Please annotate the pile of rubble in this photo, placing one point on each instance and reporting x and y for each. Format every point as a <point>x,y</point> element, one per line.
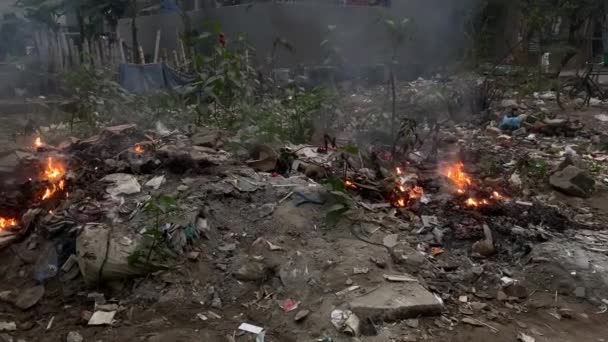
<point>165,236</point>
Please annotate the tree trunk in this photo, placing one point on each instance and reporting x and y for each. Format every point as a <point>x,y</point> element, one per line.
<point>82,38</point>
<point>135,50</point>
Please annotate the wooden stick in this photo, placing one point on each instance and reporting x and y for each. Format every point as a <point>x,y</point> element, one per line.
<point>175,59</point>
<point>157,46</point>
<point>165,56</point>
<point>142,57</point>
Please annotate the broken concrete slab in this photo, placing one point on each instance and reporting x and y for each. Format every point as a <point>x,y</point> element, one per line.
<point>573,181</point>
<point>394,302</point>
<point>29,297</point>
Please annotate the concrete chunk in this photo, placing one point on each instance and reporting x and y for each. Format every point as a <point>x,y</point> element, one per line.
<point>396,302</point>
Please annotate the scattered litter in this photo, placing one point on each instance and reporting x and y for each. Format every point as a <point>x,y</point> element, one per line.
<point>289,305</point>
<point>202,317</point>
<point>155,182</point>
<point>360,270</point>
<point>507,281</point>
<point>250,328</point>
<point>477,323</point>
<point>50,324</point>
<point>123,184</point>
<point>463,299</point>
<point>346,321</point>
<point>602,117</point>
<point>102,318</point>
<point>525,204</point>
<point>347,290</point>
<point>8,326</point>
<point>525,338</point>
<point>400,278</point>
<point>301,315</point>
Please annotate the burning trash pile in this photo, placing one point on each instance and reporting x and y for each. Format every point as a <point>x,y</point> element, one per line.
<point>472,193</point>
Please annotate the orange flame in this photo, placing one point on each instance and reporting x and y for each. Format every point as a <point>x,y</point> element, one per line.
<point>401,202</point>
<point>350,184</point>
<point>53,171</point>
<point>398,170</point>
<point>7,222</point>
<point>471,202</point>
<point>460,179</point>
<point>38,142</point>
<point>139,149</point>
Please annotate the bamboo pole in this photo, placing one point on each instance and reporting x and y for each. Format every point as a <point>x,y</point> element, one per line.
<point>142,57</point>
<point>157,46</point>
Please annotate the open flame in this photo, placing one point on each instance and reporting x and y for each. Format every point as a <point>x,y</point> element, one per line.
<point>404,193</point>
<point>139,149</point>
<point>458,177</point>
<point>463,183</point>
<point>38,142</point>
<point>7,222</point>
<point>53,173</point>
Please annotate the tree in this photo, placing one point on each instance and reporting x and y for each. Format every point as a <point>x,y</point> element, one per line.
<point>398,31</point>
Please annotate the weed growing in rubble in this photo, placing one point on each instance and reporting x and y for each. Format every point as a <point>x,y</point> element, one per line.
<point>536,169</point>
<point>160,208</point>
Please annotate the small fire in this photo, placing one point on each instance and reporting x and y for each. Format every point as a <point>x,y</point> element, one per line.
<point>38,142</point>
<point>7,222</point>
<point>139,149</point>
<point>460,179</point>
<point>350,184</point>
<point>398,170</point>
<point>471,202</point>
<point>53,171</point>
<point>463,183</point>
<point>405,194</point>
<point>401,203</point>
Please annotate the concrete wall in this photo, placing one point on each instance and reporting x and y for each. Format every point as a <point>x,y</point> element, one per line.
<point>361,32</point>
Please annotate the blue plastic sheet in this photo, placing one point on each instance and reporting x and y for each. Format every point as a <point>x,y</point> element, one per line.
<point>511,123</point>
<point>141,78</point>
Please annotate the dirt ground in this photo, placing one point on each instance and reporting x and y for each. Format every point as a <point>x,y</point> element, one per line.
<point>264,248</point>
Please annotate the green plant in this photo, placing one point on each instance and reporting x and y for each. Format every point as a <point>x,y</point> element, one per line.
<point>536,169</point>
<point>160,208</point>
<point>225,80</point>
<point>398,32</point>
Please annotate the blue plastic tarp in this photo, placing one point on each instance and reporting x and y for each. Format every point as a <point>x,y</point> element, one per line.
<point>138,78</point>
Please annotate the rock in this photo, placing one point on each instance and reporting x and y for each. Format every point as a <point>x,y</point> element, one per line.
<point>485,247</point>
<point>572,159</point>
<point>29,297</point>
<point>251,271</point>
<point>515,181</point>
<point>397,301</point>
<point>263,158</point>
<point>391,240</point>
<point>8,326</point>
<point>520,132</point>
<point>7,297</point>
<point>509,103</point>
<point>495,131</point>
<point>74,336</point>
<point>580,292</point>
<point>208,138</point>
<point>315,172</point>
<point>378,262</point>
<point>472,322</point>
<point>412,323</point>
<point>349,282</point>
<point>155,182</point>
<point>360,270</point>
<point>193,256</point>
<point>573,181</point>
<point>92,252</point>
<point>516,290</point>
<point>301,315</point>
